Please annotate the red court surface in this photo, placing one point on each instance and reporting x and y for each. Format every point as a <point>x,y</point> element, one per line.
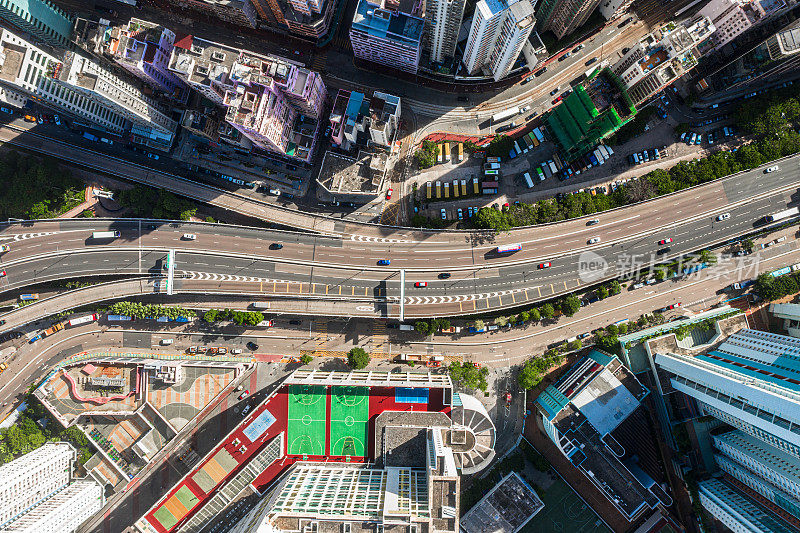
<point>226,459</point>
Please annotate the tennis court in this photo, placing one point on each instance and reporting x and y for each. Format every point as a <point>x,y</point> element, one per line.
<point>564,511</point>
<point>175,508</point>
<point>306,420</point>
<point>349,416</point>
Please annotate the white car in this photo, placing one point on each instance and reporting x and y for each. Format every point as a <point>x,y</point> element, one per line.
<point>444,214</point>
<point>594,240</point>
<point>723,216</point>
<point>189,236</point>
<point>773,168</point>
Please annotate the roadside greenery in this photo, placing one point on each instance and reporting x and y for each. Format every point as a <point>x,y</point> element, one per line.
<point>425,327</point>
<point>534,370</point>
<point>468,375</point>
<point>25,435</point>
<point>140,310</point>
<point>34,188</point>
<point>357,358</point>
<point>634,128</point>
<point>426,154</point>
<point>156,203</point>
<point>241,318</point>
<point>770,288</point>
<point>770,120</point>
<point>306,359</point>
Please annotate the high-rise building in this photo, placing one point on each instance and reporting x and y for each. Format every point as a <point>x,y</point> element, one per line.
<point>203,65</point>
<point>142,48</point>
<point>749,381</point>
<point>738,512</point>
<point>35,476</point>
<point>784,43</point>
<point>81,87</point>
<point>383,34</point>
<point>63,512</point>
<point>41,18</point>
<point>239,12</point>
<point>498,32</point>
<point>611,9</point>
<point>442,22</point>
<point>770,472</point>
<point>731,18</point>
<point>562,17</point>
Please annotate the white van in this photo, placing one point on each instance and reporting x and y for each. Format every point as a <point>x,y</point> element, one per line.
<point>236,351</point>
<point>167,342</point>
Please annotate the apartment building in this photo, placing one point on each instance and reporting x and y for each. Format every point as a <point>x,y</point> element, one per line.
<point>80,86</point>
<point>498,32</point>
<point>383,34</point>
<point>63,512</point>
<point>204,66</point>
<point>562,17</point>
<point>41,18</point>
<point>442,23</point>
<point>35,476</point>
<point>142,48</point>
<point>731,18</point>
<point>736,511</point>
<point>661,57</point>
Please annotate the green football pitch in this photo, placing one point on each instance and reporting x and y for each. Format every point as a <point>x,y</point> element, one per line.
<point>349,416</point>
<point>306,420</point>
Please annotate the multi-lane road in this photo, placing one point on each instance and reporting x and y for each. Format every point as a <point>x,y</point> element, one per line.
<point>344,267</point>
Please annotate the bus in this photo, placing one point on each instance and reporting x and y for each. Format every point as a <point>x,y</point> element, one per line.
<point>438,190</point>
<point>539,173</point>
<point>520,149</point>
<point>82,320</point>
<point>509,248</point>
<point>538,134</point>
<point>475,187</point>
<point>460,152</point>
<point>260,305</point>
<point>105,234</point>
<point>446,190</point>
<point>439,153</point>
<point>783,214</point>
<point>528,180</point>
<point>429,190</point>
<point>447,152</point>
<point>463,187</point>
<point>492,159</point>
<point>533,139</point>
<point>528,142</point>
<point>28,297</point>
<point>455,188</point>
<point>491,172</point>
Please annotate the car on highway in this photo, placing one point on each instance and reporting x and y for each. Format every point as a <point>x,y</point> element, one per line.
<point>578,48</point>
<point>4,248</point>
<point>544,265</point>
<point>30,118</point>
<point>554,91</point>
<point>444,275</point>
<point>6,110</point>
<point>57,120</point>
<point>723,216</point>
<point>189,237</point>
<point>243,395</point>
<point>773,168</point>
<point>664,250</point>
<point>253,346</point>
<point>557,100</point>
<point>540,72</point>
<point>246,409</point>
<point>593,240</point>
<point>591,61</point>
<point>275,246</point>
<point>384,262</point>
<point>665,241</point>
<point>593,222</point>
<point>421,284</point>
<point>460,214</point>
<point>2,273</point>
<point>444,214</point>
<point>671,306</point>
<point>389,194</point>
<point>152,156</point>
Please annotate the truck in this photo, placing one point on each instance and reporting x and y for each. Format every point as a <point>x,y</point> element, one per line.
<point>118,318</point>
<point>604,151</point>
<point>29,297</point>
<point>492,159</point>
<point>503,115</point>
<point>528,180</point>
<point>488,190</point>
<point>553,167</point>
<point>87,135</point>
<point>463,187</point>
<point>518,148</point>
<point>105,234</point>
<point>539,135</point>
<point>507,127</point>
<point>780,215</point>
<point>82,320</point>
<point>491,166</point>
<point>55,328</point>
<point>475,186</point>
<point>260,305</point>
<point>509,248</point>
<point>741,284</point>
<point>406,327</point>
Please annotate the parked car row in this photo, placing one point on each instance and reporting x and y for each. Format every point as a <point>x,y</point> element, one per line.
<point>645,156</point>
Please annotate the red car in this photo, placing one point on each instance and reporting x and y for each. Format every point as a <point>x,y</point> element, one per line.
<point>421,284</point>
<point>673,306</point>
<point>389,194</point>
<point>544,265</point>
<point>243,395</point>
<point>557,100</point>
<point>2,274</point>
<point>665,241</point>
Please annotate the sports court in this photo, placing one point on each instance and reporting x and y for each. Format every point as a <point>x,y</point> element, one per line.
<point>564,511</point>
<point>215,470</point>
<point>349,416</point>
<point>305,431</point>
<point>175,508</point>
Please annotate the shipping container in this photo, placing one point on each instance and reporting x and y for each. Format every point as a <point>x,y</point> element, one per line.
<point>492,159</point>
<point>118,318</point>
<point>105,234</point>
<point>503,115</point>
<point>260,305</point>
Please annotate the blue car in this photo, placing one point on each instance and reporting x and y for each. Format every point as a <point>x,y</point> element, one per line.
<point>384,262</point>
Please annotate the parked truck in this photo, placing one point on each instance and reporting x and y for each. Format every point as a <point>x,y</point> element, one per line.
<point>503,115</point>
<point>54,329</point>
<point>91,137</point>
<point>406,327</point>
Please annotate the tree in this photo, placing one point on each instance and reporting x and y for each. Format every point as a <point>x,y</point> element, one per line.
<point>623,329</point>
<point>529,376</point>
<point>501,321</point>
<point>602,292</point>
<point>575,345</point>
<point>548,311</point>
<point>357,358</point>
<point>570,305</point>
<point>707,257</point>
<point>469,375</point>
<point>748,245</point>
<point>523,317</point>
<point>612,329</point>
<point>536,316</point>
<point>422,327</point>
<point>210,315</point>
<point>444,323</point>
<point>479,324</point>
<point>660,274</point>
<point>306,359</point>
<point>614,287</point>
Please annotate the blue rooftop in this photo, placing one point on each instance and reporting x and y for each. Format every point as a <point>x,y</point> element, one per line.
<point>354,104</point>
<point>385,24</point>
<point>784,372</point>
